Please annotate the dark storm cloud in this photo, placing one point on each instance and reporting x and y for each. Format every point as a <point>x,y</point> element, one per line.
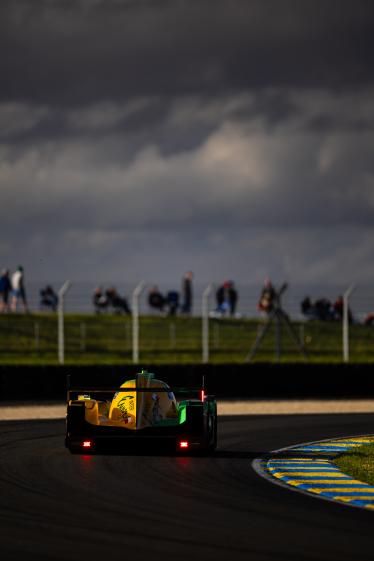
<point>239,174</point>
<point>71,52</point>
<point>230,134</point>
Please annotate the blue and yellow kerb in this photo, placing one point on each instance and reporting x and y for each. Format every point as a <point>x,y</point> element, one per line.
<point>310,468</point>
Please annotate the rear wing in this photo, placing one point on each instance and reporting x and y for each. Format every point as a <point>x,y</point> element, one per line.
<point>104,393</point>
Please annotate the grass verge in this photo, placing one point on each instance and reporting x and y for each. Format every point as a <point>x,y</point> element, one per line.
<point>358,463</point>
<point>106,339</point>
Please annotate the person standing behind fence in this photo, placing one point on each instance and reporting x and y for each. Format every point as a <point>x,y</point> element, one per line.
<point>18,290</point>
<point>4,290</point>
<point>155,299</point>
<point>338,310</point>
<point>227,297</point>
<point>187,293</point>
<point>100,300</point>
<point>48,299</point>
<point>268,294</point>
<point>233,297</point>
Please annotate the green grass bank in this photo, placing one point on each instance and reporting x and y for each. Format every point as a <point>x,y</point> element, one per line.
<point>105,339</point>
<point>358,463</point>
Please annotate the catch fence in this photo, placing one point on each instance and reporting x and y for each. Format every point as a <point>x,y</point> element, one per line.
<point>108,339</point>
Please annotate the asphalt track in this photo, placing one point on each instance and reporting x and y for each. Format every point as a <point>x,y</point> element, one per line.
<point>57,506</point>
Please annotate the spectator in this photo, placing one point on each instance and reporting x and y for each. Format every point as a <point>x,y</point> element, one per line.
<point>369,320</point>
<point>5,287</point>
<point>323,309</point>
<point>221,300</point>
<point>338,308</point>
<point>48,299</point>
<point>118,303</point>
<point>268,294</point>
<point>187,293</point>
<point>233,297</point>
<point>99,300</point>
<point>18,290</point>
<point>156,299</point>
<point>172,302</point>
<point>226,298</point>
<point>307,308</point>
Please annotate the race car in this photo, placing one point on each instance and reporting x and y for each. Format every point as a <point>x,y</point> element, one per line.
<point>144,412</point>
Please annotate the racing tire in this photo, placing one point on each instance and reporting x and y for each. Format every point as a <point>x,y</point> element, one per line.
<point>213,445</point>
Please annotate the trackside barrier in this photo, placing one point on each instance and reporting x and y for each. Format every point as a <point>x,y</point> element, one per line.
<point>60,320</point>
<point>268,381</point>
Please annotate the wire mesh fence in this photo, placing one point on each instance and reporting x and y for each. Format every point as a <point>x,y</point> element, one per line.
<point>90,339</point>
<point>79,298</point>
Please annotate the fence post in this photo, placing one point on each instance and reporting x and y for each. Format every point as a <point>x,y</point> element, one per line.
<point>135,321</point>
<point>205,322</point>
<point>346,296</point>
<point>60,319</point>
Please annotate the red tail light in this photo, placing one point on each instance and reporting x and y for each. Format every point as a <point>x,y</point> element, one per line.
<point>183,444</point>
<point>86,444</point>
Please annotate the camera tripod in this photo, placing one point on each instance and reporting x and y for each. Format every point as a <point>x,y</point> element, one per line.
<point>281,318</point>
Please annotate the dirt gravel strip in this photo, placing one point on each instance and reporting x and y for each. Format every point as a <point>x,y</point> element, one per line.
<point>10,411</point>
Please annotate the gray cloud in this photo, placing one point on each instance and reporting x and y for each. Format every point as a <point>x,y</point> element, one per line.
<point>73,52</point>
<point>227,136</point>
<point>240,173</point>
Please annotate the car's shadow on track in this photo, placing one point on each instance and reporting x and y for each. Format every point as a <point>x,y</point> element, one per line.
<point>219,453</point>
<point>238,454</point>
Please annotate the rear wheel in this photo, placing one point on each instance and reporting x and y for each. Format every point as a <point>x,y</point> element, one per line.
<point>213,436</point>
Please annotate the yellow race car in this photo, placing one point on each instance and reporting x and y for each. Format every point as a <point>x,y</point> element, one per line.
<point>144,412</point>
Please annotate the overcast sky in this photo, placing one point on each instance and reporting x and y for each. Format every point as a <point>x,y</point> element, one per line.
<point>143,138</point>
